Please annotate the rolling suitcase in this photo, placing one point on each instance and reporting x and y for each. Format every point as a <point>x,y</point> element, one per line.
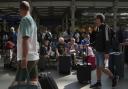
<point>116,62</point>
<point>42,63</point>
<point>47,82</point>
<point>84,69</point>
<point>64,64</point>
<point>126,54</point>
<point>83,72</point>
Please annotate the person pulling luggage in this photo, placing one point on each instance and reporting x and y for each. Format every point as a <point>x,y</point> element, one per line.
<point>27,51</point>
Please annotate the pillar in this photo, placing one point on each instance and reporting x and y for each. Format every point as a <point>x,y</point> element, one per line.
<point>66,22</point>
<point>115,10</point>
<point>73,9</point>
<point>63,24</point>
<point>4,24</point>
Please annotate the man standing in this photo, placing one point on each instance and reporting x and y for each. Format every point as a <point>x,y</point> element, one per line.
<point>27,47</point>
<point>102,45</point>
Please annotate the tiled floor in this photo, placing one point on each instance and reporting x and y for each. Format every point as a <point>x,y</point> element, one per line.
<point>65,82</point>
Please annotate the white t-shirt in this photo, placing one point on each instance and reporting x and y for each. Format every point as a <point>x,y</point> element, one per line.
<point>28,28</point>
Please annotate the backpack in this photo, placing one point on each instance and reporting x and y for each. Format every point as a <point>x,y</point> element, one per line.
<point>113,39</point>
<point>48,36</point>
<point>108,36</point>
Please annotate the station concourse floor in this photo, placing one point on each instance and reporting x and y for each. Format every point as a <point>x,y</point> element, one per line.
<point>66,81</point>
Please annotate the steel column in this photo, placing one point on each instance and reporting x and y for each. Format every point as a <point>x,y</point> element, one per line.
<point>115,10</point>
<point>73,9</point>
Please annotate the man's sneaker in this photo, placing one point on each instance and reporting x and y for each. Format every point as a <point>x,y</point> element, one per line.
<point>115,81</point>
<point>97,84</point>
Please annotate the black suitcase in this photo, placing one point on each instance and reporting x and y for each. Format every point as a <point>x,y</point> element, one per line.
<point>42,63</point>
<point>126,54</point>
<point>64,65</point>
<point>83,73</point>
<point>47,82</point>
<point>116,64</point>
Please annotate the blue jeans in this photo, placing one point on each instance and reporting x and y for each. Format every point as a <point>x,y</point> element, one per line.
<point>100,59</point>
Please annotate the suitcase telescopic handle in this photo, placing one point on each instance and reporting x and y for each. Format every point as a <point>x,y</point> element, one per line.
<point>86,54</point>
<point>122,47</point>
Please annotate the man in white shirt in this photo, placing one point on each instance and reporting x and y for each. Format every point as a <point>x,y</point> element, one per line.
<point>27,46</point>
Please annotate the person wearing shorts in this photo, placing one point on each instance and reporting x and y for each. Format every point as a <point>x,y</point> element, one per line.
<point>27,47</point>
<point>102,46</point>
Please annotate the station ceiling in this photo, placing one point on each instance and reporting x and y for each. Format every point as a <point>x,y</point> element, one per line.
<point>58,8</point>
<point>55,0</point>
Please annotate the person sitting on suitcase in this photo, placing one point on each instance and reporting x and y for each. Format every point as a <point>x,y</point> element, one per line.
<point>85,41</point>
<point>72,48</point>
<point>45,51</point>
<point>102,46</point>
<point>90,58</point>
<point>61,48</point>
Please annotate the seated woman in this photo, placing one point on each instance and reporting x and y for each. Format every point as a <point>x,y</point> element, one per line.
<point>45,52</point>
<point>9,46</point>
<point>88,55</point>
<point>83,43</point>
<point>72,49</point>
<point>87,51</point>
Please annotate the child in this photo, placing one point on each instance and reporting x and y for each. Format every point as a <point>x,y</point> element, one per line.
<point>90,56</point>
